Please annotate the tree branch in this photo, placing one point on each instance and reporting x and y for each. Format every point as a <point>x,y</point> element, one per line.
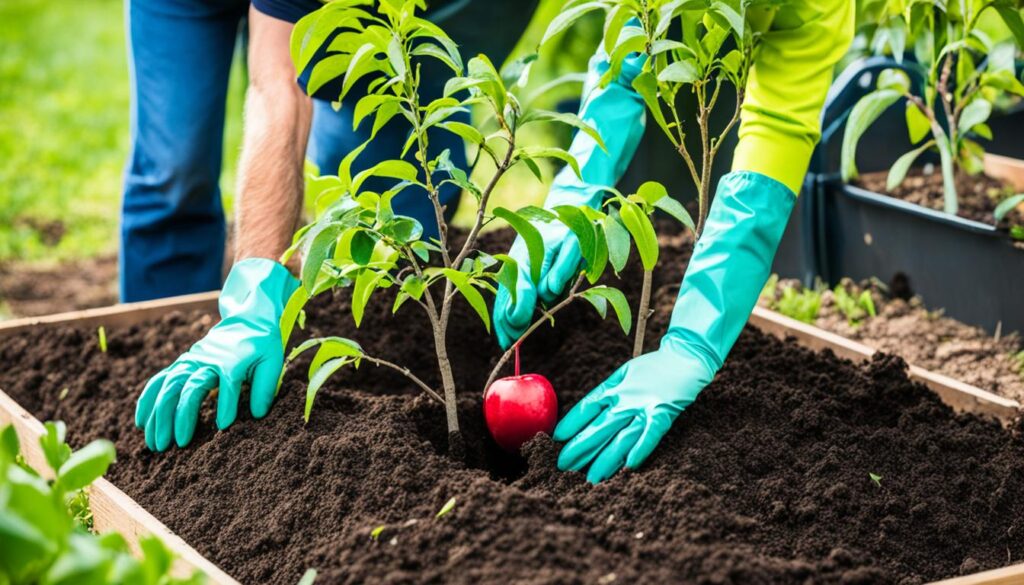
<point>408,374</point>
<point>546,315</point>
<point>467,247</point>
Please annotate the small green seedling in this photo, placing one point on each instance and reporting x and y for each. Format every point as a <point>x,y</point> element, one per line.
<point>876,478</point>
<point>308,578</point>
<point>102,333</point>
<point>47,523</point>
<point>855,308</point>
<point>448,507</point>
<point>63,393</point>
<point>964,72</point>
<point>376,532</point>
<point>357,240</point>
<point>793,301</point>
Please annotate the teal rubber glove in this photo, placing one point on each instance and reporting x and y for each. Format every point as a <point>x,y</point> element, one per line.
<point>245,346</point>
<point>618,114</point>
<point>620,422</point>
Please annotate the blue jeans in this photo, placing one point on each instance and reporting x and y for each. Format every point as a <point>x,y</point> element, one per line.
<point>180,52</point>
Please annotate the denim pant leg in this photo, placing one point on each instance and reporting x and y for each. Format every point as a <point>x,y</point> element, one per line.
<point>172,223</point>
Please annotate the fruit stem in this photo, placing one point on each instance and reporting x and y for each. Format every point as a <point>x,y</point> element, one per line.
<point>516,348</point>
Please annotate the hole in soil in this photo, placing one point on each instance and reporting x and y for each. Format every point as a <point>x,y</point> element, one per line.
<point>481,451</point>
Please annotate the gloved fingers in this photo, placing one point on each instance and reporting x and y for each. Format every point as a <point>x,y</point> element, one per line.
<point>657,425</point>
<point>195,390</point>
<point>264,385</point>
<point>587,408</point>
<point>563,270</point>
<point>144,406</point>
<point>512,319</point>
<point>227,401</point>
<point>160,427</point>
<point>612,457</point>
<point>585,446</point>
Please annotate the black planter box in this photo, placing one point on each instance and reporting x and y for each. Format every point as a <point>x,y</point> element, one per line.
<point>971,270</point>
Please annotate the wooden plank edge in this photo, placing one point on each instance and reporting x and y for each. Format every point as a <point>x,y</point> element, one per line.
<point>1012,575</point>
<point>957,394</point>
<point>121,315</point>
<point>112,509</point>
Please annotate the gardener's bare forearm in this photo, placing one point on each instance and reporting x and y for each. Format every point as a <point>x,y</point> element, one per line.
<point>277,119</point>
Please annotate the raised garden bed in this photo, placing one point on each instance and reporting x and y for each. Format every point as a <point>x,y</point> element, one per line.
<point>764,479</point>
<point>860,233</point>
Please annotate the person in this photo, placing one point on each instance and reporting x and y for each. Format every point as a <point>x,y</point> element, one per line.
<point>173,225</point>
<point>620,422</point>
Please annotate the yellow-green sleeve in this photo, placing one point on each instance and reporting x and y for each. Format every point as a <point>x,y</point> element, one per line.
<point>791,75</point>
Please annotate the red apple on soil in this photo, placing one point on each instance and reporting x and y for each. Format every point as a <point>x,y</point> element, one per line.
<point>518,407</point>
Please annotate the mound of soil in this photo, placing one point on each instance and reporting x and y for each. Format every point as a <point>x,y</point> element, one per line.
<point>978,195</point>
<point>764,479</point>
<point>29,291</point>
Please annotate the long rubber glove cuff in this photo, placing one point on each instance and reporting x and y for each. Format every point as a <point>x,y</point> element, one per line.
<point>245,346</point>
<point>621,421</point>
<point>617,113</point>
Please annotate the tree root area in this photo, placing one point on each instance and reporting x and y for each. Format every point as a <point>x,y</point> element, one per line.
<point>792,467</point>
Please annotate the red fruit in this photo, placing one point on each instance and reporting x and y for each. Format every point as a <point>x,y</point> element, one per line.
<point>518,407</point>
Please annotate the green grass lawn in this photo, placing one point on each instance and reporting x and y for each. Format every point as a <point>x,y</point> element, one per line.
<point>64,132</point>
<point>64,136</point>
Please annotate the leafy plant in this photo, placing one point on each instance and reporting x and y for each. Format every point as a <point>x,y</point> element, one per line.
<point>855,308</point>
<point>963,73</point>
<point>45,524</point>
<point>795,302</point>
<point>357,240</point>
<point>716,49</point>
<point>876,478</point>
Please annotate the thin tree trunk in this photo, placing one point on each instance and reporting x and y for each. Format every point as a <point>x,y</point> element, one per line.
<point>642,314</point>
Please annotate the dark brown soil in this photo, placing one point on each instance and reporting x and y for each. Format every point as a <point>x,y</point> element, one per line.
<point>978,195</point>
<point>928,339</point>
<point>764,479</point>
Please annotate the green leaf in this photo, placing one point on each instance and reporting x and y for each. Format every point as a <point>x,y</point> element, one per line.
<point>1006,205</point>
<point>101,332</point>
<point>676,210</point>
<point>333,348</point>
<point>55,449</point>
<point>476,300</point>
<point>448,507</point>
<point>563,118</point>
<point>552,152</point>
<point>317,380</point>
<point>325,70</point>
<point>362,63</point>
<point>734,18</point>
<point>86,465</point>
<point>366,282</point>
<point>1010,13</point>
<point>582,228</point>
<point>531,237</point>
<point>292,310</point>
<point>393,169</point>
<point>639,226</point>
<point>309,577</point>
<point>680,72</point>
<point>600,304</point>
<point>646,84</point>
<point>895,79</point>
<point>362,247</point>
<point>432,50</point>
<point>468,133</point>
<point>618,242</point>
<point>566,18</point>
<point>403,229</point>
<point>508,275</point>
<point>618,302</point>
<point>652,192</point>
<point>862,116</point>
<point>976,112</point>
<point>899,169</point>
<point>596,268</point>
<point>9,443</point>
<point>320,248</point>
<point>918,125</point>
